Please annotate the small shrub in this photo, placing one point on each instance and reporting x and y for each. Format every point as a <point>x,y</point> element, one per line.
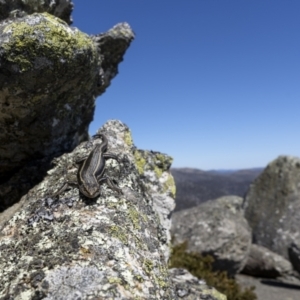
<point>201,267</point>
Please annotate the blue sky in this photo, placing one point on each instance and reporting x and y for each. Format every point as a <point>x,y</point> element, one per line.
<point>213,83</point>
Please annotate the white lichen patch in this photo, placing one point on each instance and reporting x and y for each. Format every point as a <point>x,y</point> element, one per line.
<point>45,243</point>
<point>27,295</point>
<point>70,283</point>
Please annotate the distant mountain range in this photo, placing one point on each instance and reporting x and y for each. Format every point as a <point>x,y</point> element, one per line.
<point>196,186</point>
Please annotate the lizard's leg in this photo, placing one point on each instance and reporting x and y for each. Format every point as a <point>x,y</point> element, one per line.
<point>110,183</point>
<point>80,160</point>
<point>60,190</point>
<point>111,155</point>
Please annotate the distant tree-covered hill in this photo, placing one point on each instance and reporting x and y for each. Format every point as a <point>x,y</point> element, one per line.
<point>195,186</point>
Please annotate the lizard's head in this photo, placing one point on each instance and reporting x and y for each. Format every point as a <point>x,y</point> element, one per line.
<point>91,191</point>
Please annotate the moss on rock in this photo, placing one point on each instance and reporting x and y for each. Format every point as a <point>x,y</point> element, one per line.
<point>42,40</point>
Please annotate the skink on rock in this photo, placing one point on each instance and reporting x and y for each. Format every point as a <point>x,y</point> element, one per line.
<point>92,170</point>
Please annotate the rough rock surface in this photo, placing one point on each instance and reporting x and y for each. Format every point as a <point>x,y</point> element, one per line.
<point>160,185</point>
<point>190,287</point>
<point>110,247</point>
<point>272,205</point>
<point>59,8</point>
<point>70,247</point>
<point>111,46</point>
<point>294,255</point>
<point>50,76</point>
<point>262,262</point>
<point>216,227</point>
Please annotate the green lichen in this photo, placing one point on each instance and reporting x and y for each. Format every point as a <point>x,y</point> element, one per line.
<point>140,162</point>
<point>134,217</point>
<point>169,185</point>
<point>163,161</point>
<point>163,275</point>
<point>148,266</point>
<point>118,233</point>
<point>128,138</point>
<point>162,282</point>
<point>139,278</point>
<point>115,205</point>
<point>158,171</point>
<point>140,244</point>
<point>158,162</point>
<point>116,280</point>
<point>49,39</point>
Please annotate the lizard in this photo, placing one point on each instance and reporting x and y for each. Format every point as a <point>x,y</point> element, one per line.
<point>91,171</point>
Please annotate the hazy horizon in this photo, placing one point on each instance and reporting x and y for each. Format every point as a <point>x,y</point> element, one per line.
<point>219,170</point>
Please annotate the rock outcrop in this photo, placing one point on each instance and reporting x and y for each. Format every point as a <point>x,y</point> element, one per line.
<point>109,247</point>
<point>272,206</point>
<point>50,77</point>
<point>114,246</point>
<point>216,227</point>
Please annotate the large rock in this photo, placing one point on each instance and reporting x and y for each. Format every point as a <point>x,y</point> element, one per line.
<point>216,227</point>
<point>272,206</point>
<point>70,247</point>
<point>262,262</point>
<point>50,77</point>
<point>110,247</point>
<point>46,69</point>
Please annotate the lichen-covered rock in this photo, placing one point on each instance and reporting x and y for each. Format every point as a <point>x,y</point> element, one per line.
<point>189,287</point>
<point>70,246</point>
<point>47,69</point>
<point>272,205</point>
<point>160,184</point>
<point>49,78</point>
<point>262,262</point>
<point>218,228</point>
<point>59,8</point>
